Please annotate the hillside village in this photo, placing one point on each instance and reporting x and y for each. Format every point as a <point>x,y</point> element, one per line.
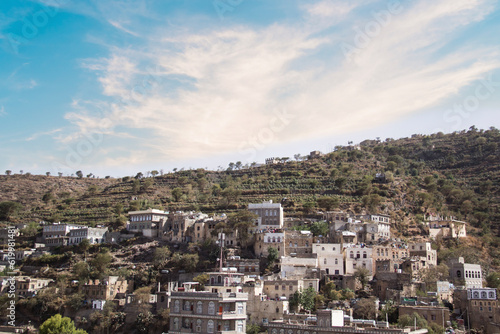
<point>281,264</point>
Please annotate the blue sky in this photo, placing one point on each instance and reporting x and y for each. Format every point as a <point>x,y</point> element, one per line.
<point>118,87</point>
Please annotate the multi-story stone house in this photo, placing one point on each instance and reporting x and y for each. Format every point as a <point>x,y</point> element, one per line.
<point>446,227</point>
<point>480,308</point>
<point>358,256</point>
<point>94,235</point>
<point>57,234</point>
<point>106,289</point>
<point>28,287</point>
<point>147,222</point>
<point>270,215</point>
<point>264,240</point>
<point>285,288</point>
<point>424,249</point>
<point>330,258</point>
<point>244,266</point>
<point>389,257</point>
<point>466,274</point>
<point>220,309</point>
<point>298,242</point>
<point>178,223</point>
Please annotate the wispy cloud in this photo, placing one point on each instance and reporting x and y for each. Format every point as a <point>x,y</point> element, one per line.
<point>120,26</point>
<point>213,91</point>
<point>2,111</point>
<point>30,84</point>
<point>40,134</point>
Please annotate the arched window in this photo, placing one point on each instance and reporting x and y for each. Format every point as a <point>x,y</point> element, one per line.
<point>187,305</point>
<point>176,323</point>
<point>199,307</point>
<point>364,255</point>
<point>211,308</point>
<point>177,306</point>
<point>210,326</point>
<point>198,325</point>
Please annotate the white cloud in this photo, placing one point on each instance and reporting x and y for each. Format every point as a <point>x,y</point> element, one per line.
<point>120,26</point>
<point>219,91</point>
<point>39,134</point>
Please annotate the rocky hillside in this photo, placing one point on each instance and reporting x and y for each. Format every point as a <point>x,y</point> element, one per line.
<point>454,174</point>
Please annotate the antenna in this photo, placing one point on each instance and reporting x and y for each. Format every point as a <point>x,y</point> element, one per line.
<point>222,236</point>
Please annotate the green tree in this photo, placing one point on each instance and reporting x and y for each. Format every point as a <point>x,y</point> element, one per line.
<point>202,279</point>
<point>272,255</point>
<point>8,172</point>
<point>493,280</point>
<point>81,271</point>
<point>407,320</point>
<point>365,308</point>
<point>161,256</point>
<point>241,221</point>
<point>59,325</point>
<point>253,329</point>
<point>9,209</point>
<point>31,230</point>
<point>319,228</point>
<point>308,299</point>
<point>177,194</point>
<point>101,263</point>
<point>187,262</point>
<point>362,275</point>
<point>328,203</point>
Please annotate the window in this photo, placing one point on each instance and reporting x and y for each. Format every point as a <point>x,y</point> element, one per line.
<point>176,323</point>
<point>187,306</point>
<point>283,287</point>
<point>459,273</point>
<point>210,326</point>
<point>198,325</point>
<point>336,261</point>
<point>199,307</point>
<point>177,306</point>
<point>211,310</point>
<point>239,326</point>
<point>240,308</point>
<point>324,261</point>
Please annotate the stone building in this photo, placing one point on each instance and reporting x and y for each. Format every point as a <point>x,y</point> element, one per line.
<point>147,222</point>
<point>330,258</point>
<point>433,314</point>
<point>480,308</point>
<point>298,242</point>
<point>106,289</point>
<point>466,274</point>
<point>28,286</point>
<point>270,215</point>
<point>95,235</point>
<point>266,239</point>
<point>358,256</point>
